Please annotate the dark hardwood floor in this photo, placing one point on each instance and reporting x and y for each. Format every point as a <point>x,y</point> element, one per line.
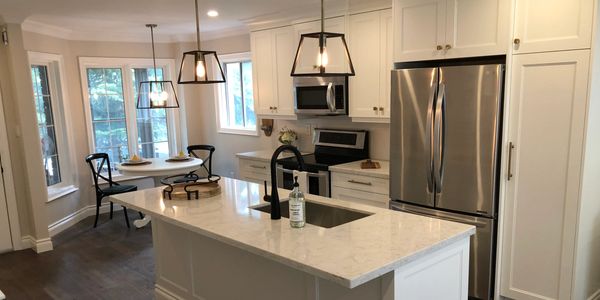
<point>108,262</point>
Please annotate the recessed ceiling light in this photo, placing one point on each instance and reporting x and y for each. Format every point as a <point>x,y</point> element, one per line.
<point>212,13</point>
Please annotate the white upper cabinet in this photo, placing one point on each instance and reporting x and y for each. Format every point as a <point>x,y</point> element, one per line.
<point>308,58</point>
<point>437,29</point>
<point>272,57</point>
<point>371,52</point>
<point>552,25</point>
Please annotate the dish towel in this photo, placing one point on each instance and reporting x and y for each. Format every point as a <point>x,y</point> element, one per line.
<point>2,297</point>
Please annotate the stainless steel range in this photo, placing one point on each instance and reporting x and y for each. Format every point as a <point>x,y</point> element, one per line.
<point>332,147</point>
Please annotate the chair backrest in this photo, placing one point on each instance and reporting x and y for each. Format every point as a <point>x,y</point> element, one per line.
<point>98,162</point>
<point>195,150</point>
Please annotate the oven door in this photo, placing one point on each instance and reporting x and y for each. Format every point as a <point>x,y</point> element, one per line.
<point>317,183</point>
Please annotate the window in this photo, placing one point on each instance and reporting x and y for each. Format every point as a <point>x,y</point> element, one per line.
<point>235,97</point>
<point>48,97</point>
<point>116,126</point>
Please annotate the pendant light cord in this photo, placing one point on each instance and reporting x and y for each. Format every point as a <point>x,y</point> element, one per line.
<point>153,51</point>
<point>322,16</point>
<point>197,25</point>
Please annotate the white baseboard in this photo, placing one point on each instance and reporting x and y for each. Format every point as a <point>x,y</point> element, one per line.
<point>595,296</point>
<point>75,217</point>
<point>39,246</point>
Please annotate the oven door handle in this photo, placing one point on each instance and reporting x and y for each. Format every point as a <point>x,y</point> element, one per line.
<point>279,168</point>
<point>316,175</point>
<point>331,97</point>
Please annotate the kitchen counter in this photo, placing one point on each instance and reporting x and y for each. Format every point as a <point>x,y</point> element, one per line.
<point>349,255</point>
<point>263,155</point>
<point>354,168</point>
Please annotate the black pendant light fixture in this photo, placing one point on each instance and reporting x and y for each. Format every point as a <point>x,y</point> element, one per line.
<point>313,47</point>
<point>156,93</point>
<point>198,66</point>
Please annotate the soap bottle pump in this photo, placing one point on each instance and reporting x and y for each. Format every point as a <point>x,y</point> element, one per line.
<point>297,206</point>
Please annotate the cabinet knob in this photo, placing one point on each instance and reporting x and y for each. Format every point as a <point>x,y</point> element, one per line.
<point>517,41</point>
<point>381,109</point>
<point>374,108</point>
<point>439,47</point>
<point>448,47</point>
<point>271,107</point>
<point>275,107</point>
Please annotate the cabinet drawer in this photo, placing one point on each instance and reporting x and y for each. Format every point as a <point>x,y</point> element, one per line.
<point>254,166</point>
<point>361,183</point>
<point>361,197</point>
<point>255,177</point>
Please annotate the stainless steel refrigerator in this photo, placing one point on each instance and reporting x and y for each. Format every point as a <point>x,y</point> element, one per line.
<point>445,136</point>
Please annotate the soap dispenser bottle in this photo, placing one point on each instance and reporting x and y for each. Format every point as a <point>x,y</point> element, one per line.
<point>297,207</point>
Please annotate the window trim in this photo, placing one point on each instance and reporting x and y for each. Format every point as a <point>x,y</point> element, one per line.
<point>221,93</point>
<point>61,112</point>
<point>175,124</point>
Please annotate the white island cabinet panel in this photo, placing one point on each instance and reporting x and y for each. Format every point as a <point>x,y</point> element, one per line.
<point>547,119</point>
<point>552,25</point>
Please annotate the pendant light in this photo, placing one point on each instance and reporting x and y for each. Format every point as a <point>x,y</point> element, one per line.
<point>313,58</point>
<point>156,93</point>
<point>198,66</point>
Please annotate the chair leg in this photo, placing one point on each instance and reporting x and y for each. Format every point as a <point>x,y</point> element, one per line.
<point>111,210</point>
<point>98,200</point>
<point>141,214</point>
<point>126,217</point>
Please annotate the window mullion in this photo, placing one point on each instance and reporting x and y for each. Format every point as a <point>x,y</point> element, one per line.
<point>130,110</point>
<point>242,94</point>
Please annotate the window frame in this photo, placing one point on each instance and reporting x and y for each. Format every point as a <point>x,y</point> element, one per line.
<point>61,113</point>
<point>221,96</point>
<point>174,122</point>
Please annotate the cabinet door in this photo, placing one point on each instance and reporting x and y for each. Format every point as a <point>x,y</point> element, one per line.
<point>553,25</point>
<point>547,118</point>
<point>263,70</point>
<point>419,29</point>
<point>387,62</point>
<point>285,44</point>
<point>365,49</point>
<point>477,27</point>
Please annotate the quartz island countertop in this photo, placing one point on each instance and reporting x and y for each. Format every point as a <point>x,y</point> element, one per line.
<point>350,254</point>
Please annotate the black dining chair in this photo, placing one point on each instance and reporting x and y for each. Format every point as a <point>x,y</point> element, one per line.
<point>99,162</point>
<point>204,152</point>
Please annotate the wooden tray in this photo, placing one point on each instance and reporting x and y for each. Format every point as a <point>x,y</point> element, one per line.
<point>369,164</point>
<point>194,191</point>
<point>146,162</point>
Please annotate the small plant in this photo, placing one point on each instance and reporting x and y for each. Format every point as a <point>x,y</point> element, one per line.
<point>287,136</point>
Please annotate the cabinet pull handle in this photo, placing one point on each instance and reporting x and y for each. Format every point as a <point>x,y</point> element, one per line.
<point>439,48</point>
<point>374,108</point>
<point>511,146</point>
<point>257,167</point>
<point>275,107</point>
<point>517,41</point>
<point>359,182</point>
<point>448,47</point>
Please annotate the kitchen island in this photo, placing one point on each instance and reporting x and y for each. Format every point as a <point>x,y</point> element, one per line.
<point>223,248</point>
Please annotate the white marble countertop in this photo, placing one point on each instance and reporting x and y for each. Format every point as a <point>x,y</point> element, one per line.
<point>354,168</point>
<point>350,254</point>
<point>263,155</point>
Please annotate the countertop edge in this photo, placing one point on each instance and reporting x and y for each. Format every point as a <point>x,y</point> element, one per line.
<point>346,282</point>
<point>363,172</point>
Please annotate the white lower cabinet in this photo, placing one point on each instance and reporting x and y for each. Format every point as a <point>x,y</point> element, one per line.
<point>255,170</point>
<point>360,189</point>
<point>547,118</point>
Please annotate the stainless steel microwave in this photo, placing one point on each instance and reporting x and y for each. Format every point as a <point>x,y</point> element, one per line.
<point>321,95</point>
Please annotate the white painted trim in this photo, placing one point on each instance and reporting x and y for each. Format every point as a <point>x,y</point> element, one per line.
<point>57,193</point>
<point>125,64</point>
<point>39,246</point>
<point>595,295</point>
<point>77,216</point>
<point>9,184</point>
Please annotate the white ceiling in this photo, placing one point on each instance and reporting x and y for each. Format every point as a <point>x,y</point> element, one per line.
<point>125,19</point>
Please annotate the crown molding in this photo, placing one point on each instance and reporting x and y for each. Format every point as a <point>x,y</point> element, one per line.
<point>99,36</point>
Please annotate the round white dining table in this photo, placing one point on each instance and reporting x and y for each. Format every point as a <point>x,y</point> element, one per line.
<point>158,168</point>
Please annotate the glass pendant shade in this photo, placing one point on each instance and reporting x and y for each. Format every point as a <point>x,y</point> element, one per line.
<point>322,54</point>
<point>198,66</point>
<point>156,94</point>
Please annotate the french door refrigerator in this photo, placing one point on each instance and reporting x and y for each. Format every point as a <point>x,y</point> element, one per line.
<point>444,157</point>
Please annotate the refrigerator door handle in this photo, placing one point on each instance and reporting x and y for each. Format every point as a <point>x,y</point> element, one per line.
<point>429,136</point>
<point>439,137</point>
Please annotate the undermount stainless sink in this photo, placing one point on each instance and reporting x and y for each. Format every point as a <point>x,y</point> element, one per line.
<point>319,214</point>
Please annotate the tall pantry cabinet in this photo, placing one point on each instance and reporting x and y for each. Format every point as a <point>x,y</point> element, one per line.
<point>550,235</point>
